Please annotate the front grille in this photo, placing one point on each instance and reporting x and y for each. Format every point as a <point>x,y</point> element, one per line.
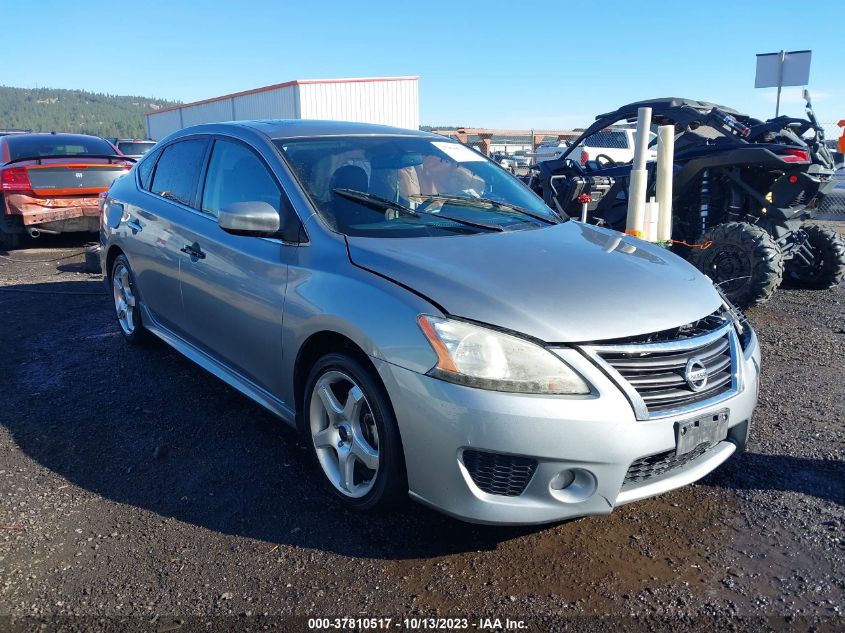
<point>653,375</point>
<point>646,468</point>
<point>498,474</point>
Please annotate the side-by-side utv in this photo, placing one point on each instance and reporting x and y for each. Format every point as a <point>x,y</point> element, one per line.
<point>743,190</point>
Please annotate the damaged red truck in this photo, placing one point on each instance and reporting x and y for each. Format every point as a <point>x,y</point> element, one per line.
<point>49,183</point>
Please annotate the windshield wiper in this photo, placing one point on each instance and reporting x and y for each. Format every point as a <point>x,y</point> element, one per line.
<point>471,201</point>
<point>377,203</point>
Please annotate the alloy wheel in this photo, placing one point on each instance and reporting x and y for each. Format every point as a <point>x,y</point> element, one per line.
<point>124,298</point>
<point>345,435</point>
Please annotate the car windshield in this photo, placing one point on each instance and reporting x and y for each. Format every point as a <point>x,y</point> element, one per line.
<point>405,186</point>
<point>134,148</point>
<point>26,145</point>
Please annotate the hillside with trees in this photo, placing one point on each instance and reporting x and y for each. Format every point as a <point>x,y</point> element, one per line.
<point>49,109</point>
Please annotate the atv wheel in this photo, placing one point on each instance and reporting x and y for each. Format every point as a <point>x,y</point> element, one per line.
<point>826,268</point>
<point>743,261</point>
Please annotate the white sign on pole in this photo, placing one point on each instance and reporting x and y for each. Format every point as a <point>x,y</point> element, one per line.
<point>782,69</point>
<point>795,70</point>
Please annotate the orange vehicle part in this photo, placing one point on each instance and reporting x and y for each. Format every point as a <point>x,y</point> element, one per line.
<point>36,210</point>
<point>842,138</point>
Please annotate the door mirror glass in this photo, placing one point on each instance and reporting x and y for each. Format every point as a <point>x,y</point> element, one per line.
<point>249,218</point>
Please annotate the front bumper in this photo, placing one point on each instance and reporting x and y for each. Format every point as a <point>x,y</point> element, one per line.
<point>597,437</point>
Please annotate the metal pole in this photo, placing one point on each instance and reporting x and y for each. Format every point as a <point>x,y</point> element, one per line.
<point>780,81</point>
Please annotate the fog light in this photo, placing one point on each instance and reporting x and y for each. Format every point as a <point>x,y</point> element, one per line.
<point>573,485</point>
<point>562,480</point>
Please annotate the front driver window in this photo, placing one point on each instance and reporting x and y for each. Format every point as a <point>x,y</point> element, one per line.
<point>235,174</point>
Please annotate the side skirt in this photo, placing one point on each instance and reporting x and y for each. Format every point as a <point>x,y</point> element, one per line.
<point>222,371</point>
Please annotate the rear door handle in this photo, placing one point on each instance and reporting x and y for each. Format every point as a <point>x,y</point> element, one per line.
<point>193,250</point>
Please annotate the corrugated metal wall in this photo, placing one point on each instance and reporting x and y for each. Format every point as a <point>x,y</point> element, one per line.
<point>207,113</point>
<point>160,124</point>
<point>387,102</point>
<point>280,103</point>
<point>394,102</point>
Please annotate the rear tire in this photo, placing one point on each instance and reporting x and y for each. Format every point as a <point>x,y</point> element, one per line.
<point>744,261</point>
<point>828,269</point>
<point>126,305</point>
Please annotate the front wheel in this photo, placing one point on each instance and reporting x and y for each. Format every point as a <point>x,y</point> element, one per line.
<point>820,263</point>
<point>352,434</point>
<point>743,261</point>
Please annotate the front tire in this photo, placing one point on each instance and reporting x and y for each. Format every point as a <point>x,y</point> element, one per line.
<point>351,433</point>
<point>826,267</point>
<point>126,305</point>
<point>744,261</point>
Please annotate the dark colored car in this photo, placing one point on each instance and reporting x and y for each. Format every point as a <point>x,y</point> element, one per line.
<point>133,148</point>
<point>742,192</point>
<point>49,183</point>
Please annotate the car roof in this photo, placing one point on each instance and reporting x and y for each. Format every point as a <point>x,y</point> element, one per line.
<point>63,136</point>
<point>293,128</point>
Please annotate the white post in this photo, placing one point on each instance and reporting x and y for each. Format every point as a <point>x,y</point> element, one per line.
<point>641,137</point>
<point>651,215</point>
<point>638,182</point>
<point>780,81</point>
<point>665,172</point>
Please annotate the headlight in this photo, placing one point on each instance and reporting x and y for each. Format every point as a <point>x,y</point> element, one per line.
<point>743,328</point>
<point>479,357</point>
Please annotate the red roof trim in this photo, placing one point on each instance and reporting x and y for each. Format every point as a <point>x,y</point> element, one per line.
<point>295,82</point>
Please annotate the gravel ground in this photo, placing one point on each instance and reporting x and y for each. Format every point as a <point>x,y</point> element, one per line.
<point>140,492</point>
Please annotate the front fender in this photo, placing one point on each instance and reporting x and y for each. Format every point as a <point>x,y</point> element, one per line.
<point>379,316</point>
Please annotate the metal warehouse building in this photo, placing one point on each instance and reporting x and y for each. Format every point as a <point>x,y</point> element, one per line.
<point>387,100</point>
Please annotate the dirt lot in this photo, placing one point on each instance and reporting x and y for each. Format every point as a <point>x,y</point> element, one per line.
<point>139,491</point>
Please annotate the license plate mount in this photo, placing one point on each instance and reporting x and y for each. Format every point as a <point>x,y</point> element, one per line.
<point>710,429</point>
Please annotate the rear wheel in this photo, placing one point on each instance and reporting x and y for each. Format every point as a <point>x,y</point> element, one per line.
<point>126,306</point>
<point>821,263</point>
<point>743,260</point>
<point>352,434</point>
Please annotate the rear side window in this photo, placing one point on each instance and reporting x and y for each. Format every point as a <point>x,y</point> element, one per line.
<point>145,169</point>
<point>236,174</point>
<point>177,171</point>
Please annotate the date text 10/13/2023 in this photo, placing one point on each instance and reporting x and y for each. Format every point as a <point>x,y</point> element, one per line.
<point>416,623</point>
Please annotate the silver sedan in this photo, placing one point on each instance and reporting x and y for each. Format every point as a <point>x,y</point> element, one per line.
<point>426,322</point>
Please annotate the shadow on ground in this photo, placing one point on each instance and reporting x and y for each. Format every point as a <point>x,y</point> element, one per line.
<point>148,428</point>
<point>822,478</point>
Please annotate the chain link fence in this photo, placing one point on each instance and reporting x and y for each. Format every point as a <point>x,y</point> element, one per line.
<point>833,206</point>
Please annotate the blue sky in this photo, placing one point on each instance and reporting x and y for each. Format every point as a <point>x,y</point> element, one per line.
<point>542,64</point>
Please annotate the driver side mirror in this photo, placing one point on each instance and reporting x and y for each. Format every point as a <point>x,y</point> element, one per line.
<point>250,218</point>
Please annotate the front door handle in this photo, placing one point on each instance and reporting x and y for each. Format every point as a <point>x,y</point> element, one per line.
<point>193,250</point>
<point>134,226</point>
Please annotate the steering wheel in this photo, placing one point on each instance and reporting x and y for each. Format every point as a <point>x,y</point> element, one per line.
<point>603,160</point>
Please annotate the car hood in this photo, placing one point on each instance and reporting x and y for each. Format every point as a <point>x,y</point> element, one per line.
<point>565,283</point>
